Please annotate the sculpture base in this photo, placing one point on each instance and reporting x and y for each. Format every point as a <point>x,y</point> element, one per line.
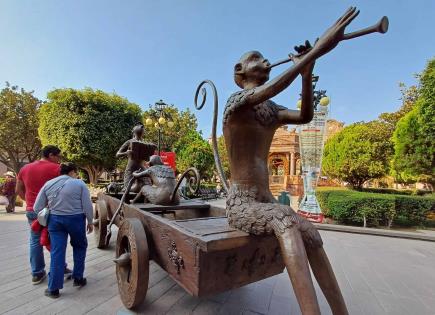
<point>312,217</point>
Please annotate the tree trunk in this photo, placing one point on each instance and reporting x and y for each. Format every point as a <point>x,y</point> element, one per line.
<point>94,173</point>
<point>390,223</point>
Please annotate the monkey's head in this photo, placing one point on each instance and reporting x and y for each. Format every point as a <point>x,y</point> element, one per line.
<point>138,131</point>
<point>155,160</point>
<point>252,68</point>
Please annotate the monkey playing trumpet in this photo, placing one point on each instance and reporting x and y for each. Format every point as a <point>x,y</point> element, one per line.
<point>380,27</point>
<point>250,120</point>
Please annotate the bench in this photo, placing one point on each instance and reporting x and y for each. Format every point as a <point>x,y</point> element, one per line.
<point>207,193</point>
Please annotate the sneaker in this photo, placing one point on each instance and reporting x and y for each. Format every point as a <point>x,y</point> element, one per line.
<point>39,278</point>
<point>52,294</point>
<point>79,282</point>
<point>67,273</point>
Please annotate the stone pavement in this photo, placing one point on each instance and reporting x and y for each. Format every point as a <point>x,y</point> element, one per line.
<point>378,275</point>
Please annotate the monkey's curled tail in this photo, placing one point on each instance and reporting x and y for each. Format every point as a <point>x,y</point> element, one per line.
<point>193,182</point>
<point>217,159</point>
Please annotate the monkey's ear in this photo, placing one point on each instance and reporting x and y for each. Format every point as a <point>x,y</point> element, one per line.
<point>238,68</point>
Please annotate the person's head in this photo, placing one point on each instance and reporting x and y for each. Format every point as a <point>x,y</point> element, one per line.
<point>252,69</point>
<point>138,131</point>
<point>155,160</point>
<point>69,169</point>
<point>9,175</point>
<point>51,153</point>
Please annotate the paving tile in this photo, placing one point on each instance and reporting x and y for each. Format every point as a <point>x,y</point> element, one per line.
<point>377,275</point>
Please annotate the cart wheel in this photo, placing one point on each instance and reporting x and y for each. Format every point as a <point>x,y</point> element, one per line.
<point>100,223</point>
<point>132,262</point>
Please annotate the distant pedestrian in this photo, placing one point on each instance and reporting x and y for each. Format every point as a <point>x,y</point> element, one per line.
<point>70,205</point>
<point>8,190</point>
<point>31,178</point>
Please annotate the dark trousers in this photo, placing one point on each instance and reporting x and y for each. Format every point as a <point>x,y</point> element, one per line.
<point>59,227</point>
<point>11,206</point>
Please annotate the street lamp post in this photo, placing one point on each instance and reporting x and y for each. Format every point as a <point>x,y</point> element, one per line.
<point>159,117</point>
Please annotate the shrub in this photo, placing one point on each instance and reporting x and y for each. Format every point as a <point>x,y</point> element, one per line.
<point>414,209</point>
<point>396,191</point>
<point>354,207</point>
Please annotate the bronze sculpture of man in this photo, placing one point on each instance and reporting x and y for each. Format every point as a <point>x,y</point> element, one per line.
<point>162,187</point>
<point>249,124</point>
<point>137,153</point>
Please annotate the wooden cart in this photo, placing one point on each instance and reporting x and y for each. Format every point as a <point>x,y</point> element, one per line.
<point>191,241</point>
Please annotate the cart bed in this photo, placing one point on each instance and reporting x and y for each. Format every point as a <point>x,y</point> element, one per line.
<point>198,248</point>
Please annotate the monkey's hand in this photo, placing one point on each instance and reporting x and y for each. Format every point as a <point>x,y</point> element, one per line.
<point>138,174</point>
<point>333,35</point>
<point>301,51</point>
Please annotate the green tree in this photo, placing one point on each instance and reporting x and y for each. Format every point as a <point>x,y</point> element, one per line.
<point>414,137</point>
<point>409,97</point>
<point>358,153</point>
<point>184,121</point>
<point>88,125</point>
<point>19,142</point>
<point>193,151</point>
<point>224,156</point>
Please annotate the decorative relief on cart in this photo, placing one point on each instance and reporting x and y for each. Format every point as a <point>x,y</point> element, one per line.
<point>277,255</point>
<point>230,264</point>
<point>164,233</point>
<point>175,258</point>
<point>256,260</point>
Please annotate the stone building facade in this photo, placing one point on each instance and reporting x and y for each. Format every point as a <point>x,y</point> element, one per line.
<point>284,159</point>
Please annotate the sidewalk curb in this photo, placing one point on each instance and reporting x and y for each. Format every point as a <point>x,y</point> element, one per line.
<point>375,232</point>
<point>354,229</point>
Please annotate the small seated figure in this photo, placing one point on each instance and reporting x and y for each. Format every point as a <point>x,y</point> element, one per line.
<point>137,153</point>
<point>163,183</point>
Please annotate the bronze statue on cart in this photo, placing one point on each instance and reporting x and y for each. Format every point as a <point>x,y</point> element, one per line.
<point>161,190</point>
<point>137,152</point>
<point>249,123</point>
<point>204,251</point>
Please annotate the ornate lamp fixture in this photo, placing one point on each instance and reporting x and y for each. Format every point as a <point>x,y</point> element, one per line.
<point>160,118</point>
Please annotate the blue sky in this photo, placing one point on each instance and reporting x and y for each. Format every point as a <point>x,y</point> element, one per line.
<point>148,50</point>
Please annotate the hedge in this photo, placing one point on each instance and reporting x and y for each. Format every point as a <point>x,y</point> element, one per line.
<point>355,207</point>
<point>408,192</point>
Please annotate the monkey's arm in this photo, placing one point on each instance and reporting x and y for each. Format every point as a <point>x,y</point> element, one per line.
<point>282,81</point>
<point>306,113</point>
<point>123,150</point>
<point>147,172</point>
<point>328,41</point>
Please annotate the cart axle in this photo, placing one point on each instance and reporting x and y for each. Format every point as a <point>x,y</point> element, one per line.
<point>123,260</point>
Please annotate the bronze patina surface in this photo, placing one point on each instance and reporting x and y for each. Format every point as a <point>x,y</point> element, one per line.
<point>249,123</point>
<point>137,153</point>
<point>162,186</point>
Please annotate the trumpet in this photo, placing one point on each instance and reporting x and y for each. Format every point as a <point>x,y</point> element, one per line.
<point>380,27</point>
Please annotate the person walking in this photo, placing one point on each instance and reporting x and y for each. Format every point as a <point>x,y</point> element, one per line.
<point>70,204</point>
<point>8,190</point>
<point>31,178</point>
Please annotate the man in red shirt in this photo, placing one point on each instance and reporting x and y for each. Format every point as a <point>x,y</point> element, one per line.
<point>31,178</point>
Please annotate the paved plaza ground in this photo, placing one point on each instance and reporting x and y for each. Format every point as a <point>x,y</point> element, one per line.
<point>378,275</point>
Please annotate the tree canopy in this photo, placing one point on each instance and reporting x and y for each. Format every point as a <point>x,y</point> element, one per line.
<point>358,153</point>
<point>88,126</point>
<point>409,97</point>
<point>19,141</point>
<point>193,151</point>
<point>184,122</point>
<point>224,156</point>
<point>414,137</point>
